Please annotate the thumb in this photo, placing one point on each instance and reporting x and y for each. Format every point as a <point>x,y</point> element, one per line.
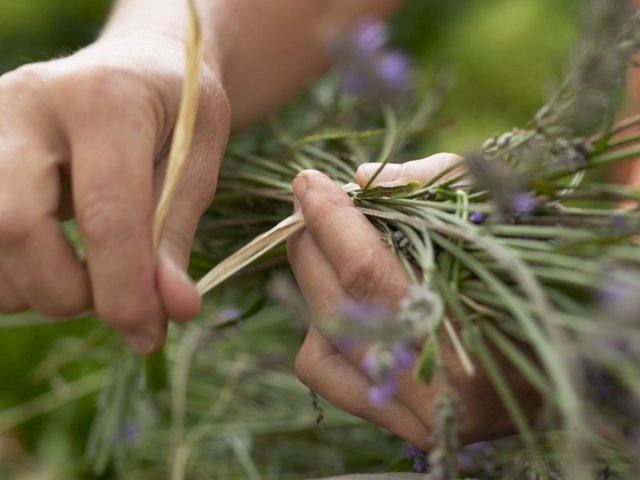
<point>416,170</point>
<point>179,297</point>
<point>181,300</point>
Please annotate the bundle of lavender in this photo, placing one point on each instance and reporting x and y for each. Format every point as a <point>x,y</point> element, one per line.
<point>524,254</point>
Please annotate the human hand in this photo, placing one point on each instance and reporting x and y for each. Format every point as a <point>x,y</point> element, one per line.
<point>340,258</point>
<point>88,136</point>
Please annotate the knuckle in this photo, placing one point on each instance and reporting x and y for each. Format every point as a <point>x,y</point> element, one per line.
<point>180,240</point>
<point>126,315</point>
<point>362,275</point>
<point>105,91</point>
<point>21,79</point>
<point>16,225</point>
<point>103,215</point>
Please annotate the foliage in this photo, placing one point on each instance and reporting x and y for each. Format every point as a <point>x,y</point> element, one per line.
<point>238,407</point>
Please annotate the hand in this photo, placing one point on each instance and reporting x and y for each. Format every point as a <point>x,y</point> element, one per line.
<point>88,135</point>
<point>341,258</point>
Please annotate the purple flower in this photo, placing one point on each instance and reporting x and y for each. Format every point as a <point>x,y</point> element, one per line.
<point>403,356</point>
<point>618,221</point>
<point>478,458</point>
<point>394,69</point>
<point>369,36</point>
<point>370,363</point>
<point>354,82</point>
<point>382,362</point>
<point>366,313</point>
<point>480,447</point>
<point>619,295</point>
<point>131,432</point>
<point>419,458</point>
<point>524,204</point>
<point>477,217</point>
<point>369,68</point>
<point>229,314</point>
<point>380,394</point>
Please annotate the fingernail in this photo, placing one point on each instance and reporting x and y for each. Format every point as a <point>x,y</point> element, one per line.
<point>303,182</point>
<point>300,186</point>
<point>296,204</point>
<point>390,172</point>
<point>143,343</point>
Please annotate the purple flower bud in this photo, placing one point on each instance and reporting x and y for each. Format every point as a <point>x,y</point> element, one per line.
<point>230,314</point>
<point>419,458</point>
<point>618,221</point>
<point>380,394</point>
<point>480,447</point>
<point>369,36</point>
<point>394,71</point>
<point>370,364</point>
<point>366,313</point>
<point>403,356</point>
<point>466,462</point>
<point>371,70</point>
<point>477,217</point>
<point>524,204</point>
<point>354,82</point>
<point>619,295</point>
<point>131,432</point>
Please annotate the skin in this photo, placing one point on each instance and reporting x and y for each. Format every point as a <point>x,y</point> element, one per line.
<point>87,137</point>
<point>340,258</point>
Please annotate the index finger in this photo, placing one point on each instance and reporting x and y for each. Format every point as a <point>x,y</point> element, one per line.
<point>112,171</point>
<point>367,268</point>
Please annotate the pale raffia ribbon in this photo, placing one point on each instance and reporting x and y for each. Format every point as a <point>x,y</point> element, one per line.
<point>255,249</point>
<point>250,252</point>
<point>185,124</point>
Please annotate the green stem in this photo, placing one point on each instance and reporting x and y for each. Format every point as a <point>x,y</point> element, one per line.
<point>52,400</point>
<point>600,160</point>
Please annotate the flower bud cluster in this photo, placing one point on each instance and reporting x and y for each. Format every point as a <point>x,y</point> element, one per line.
<point>370,69</point>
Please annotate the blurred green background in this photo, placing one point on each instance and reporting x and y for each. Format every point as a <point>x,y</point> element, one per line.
<point>505,56</point>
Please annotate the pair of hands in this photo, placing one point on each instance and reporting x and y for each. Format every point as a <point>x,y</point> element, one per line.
<point>339,259</point>
<point>98,124</point>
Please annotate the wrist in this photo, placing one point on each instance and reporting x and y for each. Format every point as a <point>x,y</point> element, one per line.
<point>160,24</point>
<point>168,45</point>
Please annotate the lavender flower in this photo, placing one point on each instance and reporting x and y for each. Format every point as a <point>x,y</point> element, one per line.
<point>524,204</point>
<point>129,433</point>
<point>619,297</point>
<point>369,68</point>
<point>477,217</point>
<point>381,394</point>
<point>229,314</point>
<point>444,458</point>
<point>418,457</point>
<point>366,313</point>
<point>478,459</point>
<point>403,356</point>
<point>394,70</point>
<point>382,363</point>
<point>370,36</point>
